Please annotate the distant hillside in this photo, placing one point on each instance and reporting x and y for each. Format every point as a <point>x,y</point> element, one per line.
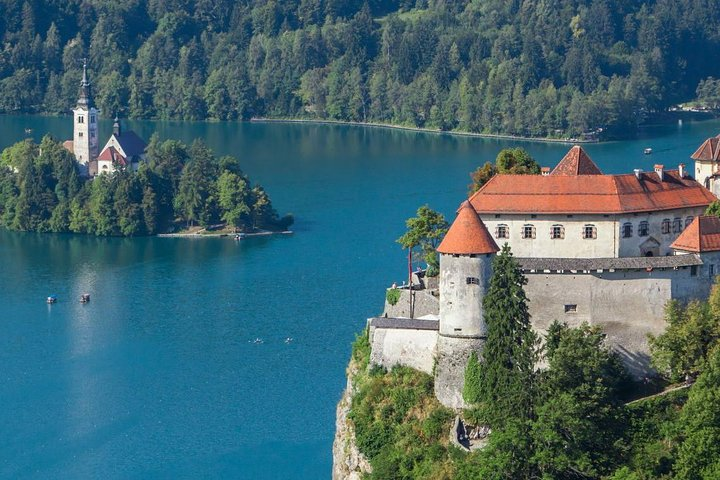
<point>538,68</point>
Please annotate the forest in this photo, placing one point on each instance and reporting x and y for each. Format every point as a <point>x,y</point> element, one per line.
<point>550,68</point>
<point>41,190</point>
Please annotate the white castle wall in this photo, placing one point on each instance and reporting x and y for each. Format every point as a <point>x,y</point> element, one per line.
<point>608,243</point>
<point>409,347</point>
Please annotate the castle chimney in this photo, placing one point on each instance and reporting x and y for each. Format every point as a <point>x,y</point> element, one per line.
<point>545,171</point>
<point>637,173</point>
<point>681,170</point>
<point>659,171</point>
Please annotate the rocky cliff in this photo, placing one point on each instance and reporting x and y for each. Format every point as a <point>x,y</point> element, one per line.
<point>348,462</point>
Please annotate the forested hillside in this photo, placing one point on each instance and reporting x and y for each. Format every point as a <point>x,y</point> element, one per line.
<point>526,67</point>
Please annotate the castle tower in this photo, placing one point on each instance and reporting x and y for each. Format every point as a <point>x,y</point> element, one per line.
<point>466,255</point>
<point>85,126</point>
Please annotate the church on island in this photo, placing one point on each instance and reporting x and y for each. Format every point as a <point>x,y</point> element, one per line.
<point>610,250</point>
<point>123,150</point>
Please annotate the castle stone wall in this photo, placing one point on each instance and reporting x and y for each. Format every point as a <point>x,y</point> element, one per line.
<point>409,347</point>
<point>452,359</point>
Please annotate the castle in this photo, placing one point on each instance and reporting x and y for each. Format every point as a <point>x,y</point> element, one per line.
<point>124,149</point>
<point>610,250</point>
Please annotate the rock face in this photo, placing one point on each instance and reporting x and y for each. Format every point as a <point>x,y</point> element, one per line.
<point>348,462</point>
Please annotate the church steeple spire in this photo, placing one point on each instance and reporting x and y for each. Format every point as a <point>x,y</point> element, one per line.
<point>116,126</point>
<point>85,96</point>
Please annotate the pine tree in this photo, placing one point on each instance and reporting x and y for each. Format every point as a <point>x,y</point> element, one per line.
<point>507,374</point>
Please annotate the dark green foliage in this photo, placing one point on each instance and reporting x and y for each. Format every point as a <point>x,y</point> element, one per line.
<point>699,454</point>
<point>505,380</point>
<point>392,296</point>
<point>713,209</point>
<point>399,425</point>
<point>693,331</point>
<point>425,231</point>
<point>41,190</point>
<point>509,160</point>
<point>491,66</point>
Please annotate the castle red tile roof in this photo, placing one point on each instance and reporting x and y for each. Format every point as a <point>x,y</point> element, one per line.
<point>576,162</point>
<point>467,235</point>
<point>709,151</point>
<point>592,194</point>
<point>702,235</point>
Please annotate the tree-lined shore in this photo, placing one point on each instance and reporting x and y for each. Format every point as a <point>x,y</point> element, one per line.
<point>531,69</point>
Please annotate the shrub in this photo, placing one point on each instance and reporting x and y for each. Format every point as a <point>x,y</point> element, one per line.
<point>393,296</point>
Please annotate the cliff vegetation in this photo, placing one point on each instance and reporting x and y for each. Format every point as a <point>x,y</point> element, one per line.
<point>41,190</point>
<point>545,69</point>
<point>572,419</point>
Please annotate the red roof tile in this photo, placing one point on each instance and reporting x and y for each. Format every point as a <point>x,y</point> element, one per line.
<point>702,235</point>
<point>576,162</point>
<point>708,151</point>
<point>110,154</point>
<point>595,194</point>
<point>467,235</point>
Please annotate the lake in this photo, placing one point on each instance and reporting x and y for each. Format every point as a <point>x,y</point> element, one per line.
<point>160,375</point>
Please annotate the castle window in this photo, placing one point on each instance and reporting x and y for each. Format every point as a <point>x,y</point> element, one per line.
<point>571,308</point>
<point>677,225</point>
<point>666,226</point>
<point>81,119</point>
<point>643,229</point>
<point>80,134</point>
<point>693,270</point>
<point>472,281</point>
<point>557,232</point>
<point>589,232</point>
<point>688,221</point>
<point>627,230</point>
<point>92,118</point>
<point>528,231</point>
<point>711,270</point>
<point>502,231</point>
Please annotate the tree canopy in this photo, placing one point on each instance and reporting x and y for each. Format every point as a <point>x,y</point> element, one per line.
<point>41,190</point>
<point>515,161</point>
<point>523,67</point>
<point>425,232</point>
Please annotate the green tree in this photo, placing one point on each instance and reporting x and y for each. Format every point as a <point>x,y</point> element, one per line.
<point>515,161</point>
<point>699,454</point>
<point>233,198</point>
<point>425,231</point>
<point>505,381</point>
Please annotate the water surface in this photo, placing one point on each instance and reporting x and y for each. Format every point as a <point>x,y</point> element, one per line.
<point>159,375</point>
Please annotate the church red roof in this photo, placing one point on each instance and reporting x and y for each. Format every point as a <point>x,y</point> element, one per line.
<point>593,194</point>
<point>576,162</point>
<point>467,235</point>
<point>708,151</point>
<point>110,154</point>
<point>702,235</point>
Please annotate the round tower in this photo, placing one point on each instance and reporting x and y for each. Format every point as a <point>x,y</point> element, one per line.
<point>466,255</point>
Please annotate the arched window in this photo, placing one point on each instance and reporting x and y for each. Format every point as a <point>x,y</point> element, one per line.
<point>688,221</point>
<point>627,230</point>
<point>557,232</point>
<point>528,231</point>
<point>81,119</point>
<point>502,231</point>
<point>643,229</point>
<point>665,225</point>
<point>677,225</point>
<point>589,232</point>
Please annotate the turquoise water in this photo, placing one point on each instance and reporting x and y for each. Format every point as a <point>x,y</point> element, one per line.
<point>159,375</point>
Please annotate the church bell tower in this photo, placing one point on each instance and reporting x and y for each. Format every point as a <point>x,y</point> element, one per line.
<point>85,127</point>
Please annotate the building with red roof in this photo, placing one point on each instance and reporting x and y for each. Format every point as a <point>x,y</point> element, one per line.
<point>124,149</point>
<point>577,211</point>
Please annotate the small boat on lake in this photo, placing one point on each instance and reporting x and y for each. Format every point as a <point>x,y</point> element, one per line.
<point>239,236</point>
<point>85,298</point>
<point>648,151</point>
<point>52,299</point>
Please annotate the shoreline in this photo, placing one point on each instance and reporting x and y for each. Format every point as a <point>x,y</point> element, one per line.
<point>216,235</point>
<point>496,136</point>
